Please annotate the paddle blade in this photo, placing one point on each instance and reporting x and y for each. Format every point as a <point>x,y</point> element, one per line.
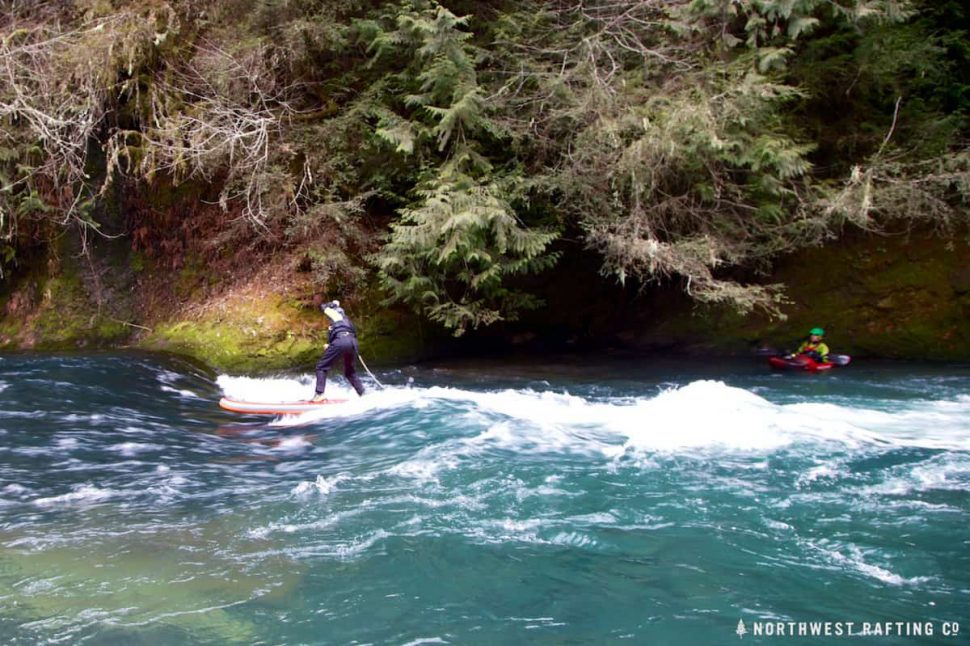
<point>769,352</point>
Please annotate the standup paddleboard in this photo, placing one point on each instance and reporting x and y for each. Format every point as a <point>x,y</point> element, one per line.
<point>275,408</point>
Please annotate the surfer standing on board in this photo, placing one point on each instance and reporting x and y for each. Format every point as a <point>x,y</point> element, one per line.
<point>341,342</point>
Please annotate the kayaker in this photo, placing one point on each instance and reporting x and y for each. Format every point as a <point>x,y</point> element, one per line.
<point>814,346</point>
<point>341,342</point>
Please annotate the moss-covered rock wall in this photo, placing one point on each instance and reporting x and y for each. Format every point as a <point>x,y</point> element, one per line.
<point>258,330</point>
<point>241,319</point>
<point>901,296</point>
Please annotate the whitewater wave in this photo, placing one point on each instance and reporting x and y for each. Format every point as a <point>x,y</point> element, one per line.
<point>321,486</point>
<point>700,415</point>
<point>852,558</point>
<point>81,494</point>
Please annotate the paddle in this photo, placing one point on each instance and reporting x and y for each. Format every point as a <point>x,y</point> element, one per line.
<point>840,359</point>
<point>369,372</point>
<point>770,352</point>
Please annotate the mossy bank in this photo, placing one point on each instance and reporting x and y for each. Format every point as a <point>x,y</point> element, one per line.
<point>904,296</point>
<point>258,333</point>
<point>245,320</point>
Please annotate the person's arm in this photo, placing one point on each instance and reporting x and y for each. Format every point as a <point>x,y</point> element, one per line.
<point>823,350</point>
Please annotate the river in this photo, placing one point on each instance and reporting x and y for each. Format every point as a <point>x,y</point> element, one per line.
<point>543,501</point>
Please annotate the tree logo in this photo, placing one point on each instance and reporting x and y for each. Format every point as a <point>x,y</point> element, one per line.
<point>741,631</point>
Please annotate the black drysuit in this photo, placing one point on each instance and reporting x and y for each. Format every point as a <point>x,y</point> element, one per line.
<point>342,342</point>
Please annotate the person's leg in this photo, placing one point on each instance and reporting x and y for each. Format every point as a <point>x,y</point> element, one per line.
<point>323,367</point>
<point>350,369</point>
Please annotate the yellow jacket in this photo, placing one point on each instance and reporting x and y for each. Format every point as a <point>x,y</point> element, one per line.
<point>820,348</point>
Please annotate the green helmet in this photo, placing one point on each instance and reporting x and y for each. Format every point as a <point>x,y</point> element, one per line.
<point>817,331</point>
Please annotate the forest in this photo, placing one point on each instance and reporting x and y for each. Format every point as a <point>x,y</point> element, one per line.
<point>446,151</point>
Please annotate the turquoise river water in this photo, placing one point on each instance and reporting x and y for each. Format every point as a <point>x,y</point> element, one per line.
<point>542,501</point>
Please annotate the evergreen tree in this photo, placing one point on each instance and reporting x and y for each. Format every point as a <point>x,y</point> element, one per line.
<point>459,241</point>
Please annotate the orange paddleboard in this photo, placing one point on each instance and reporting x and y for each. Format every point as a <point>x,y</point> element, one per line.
<point>275,408</point>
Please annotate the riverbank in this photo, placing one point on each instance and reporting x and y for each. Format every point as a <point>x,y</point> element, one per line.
<point>903,296</point>
<point>899,296</point>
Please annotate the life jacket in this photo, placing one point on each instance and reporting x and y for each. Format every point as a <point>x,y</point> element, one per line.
<point>820,348</point>
<point>339,322</point>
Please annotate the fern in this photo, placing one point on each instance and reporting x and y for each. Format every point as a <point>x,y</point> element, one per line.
<point>457,243</point>
<point>400,133</point>
<point>452,251</point>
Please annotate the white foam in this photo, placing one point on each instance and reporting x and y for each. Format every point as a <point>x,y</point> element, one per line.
<point>322,486</point>
<point>354,406</point>
<point>703,413</point>
<point>170,487</point>
<point>32,451</point>
<point>573,539</point>
<point>425,469</point>
<point>82,494</point>
<point>854,561</point>
<point>38,586</point>
<point>168,376</point>
<point>595,518</point>
<point>924,424</point>
<point>945,472</point>
<point>820,472</point>
<point>700,415</point>
<point>330,521</point>
<point>186,394</point>
<point>356,548</point>
<point>131,449</point>
<point>269,389</point>
<point>528,530</point>
<point>94,419</point>
<point>346,550</point>
<point>293,444</point>
<point>425,640</point>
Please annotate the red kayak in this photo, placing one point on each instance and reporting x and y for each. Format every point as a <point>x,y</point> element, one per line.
<point>805,362</point>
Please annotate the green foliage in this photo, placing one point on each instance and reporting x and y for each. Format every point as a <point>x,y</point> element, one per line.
<point>698,157</point>
<point>455,246</point>
<point>889,86</point>
<point>933,194</point>
<point>451,253</point>
<point>22,206</point>
<point>679,138</point>
<point>63,76</point>
<point>438,95</point>
<point>678,173</point>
